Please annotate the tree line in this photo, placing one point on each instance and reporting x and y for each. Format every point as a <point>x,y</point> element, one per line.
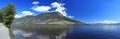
<point>7,14</point>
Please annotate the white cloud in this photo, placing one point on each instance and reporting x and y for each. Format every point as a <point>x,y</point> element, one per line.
<point>35,2</point>
<point>59,8</point>
<point>56,4</point>
<point>41,8</point>
<point>27,12</point>
<point>18,15</point>
<point>70,16</point>
<point>23,14</point>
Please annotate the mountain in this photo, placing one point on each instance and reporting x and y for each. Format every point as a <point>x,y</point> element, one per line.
<point>47,18</point>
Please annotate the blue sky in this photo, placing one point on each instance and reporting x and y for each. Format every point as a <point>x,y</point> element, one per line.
<point>82,10</point>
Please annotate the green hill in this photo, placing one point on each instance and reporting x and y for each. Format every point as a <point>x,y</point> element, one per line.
<point>47,18</point>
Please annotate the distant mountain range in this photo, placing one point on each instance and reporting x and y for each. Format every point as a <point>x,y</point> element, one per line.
<point>46,18</point>
<point>105,23</point>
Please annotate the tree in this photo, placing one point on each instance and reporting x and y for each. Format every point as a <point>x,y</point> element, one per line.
<point>9,12</point>
<point>1,14</point>
<point>2,11</point>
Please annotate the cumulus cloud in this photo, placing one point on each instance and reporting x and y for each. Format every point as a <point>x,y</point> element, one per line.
<point>41,8</point>
<point>56,4</point>
<point>23,14</point>
<point>27,12</point>
<point>59,8</point>
<point>35,2</point>
<point>70,16</point>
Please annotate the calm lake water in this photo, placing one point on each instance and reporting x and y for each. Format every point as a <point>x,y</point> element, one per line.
<point>67,31</point>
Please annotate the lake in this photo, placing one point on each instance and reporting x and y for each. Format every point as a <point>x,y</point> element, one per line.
<point>66,31</point>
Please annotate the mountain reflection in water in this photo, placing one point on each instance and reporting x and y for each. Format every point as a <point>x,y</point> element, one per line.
<point>66,31</point>
<point>43,31</point>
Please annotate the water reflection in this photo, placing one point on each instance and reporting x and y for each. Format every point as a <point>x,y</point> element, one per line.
<point>67,31</point>
<point>52,31</point>
<point>18,34</point>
